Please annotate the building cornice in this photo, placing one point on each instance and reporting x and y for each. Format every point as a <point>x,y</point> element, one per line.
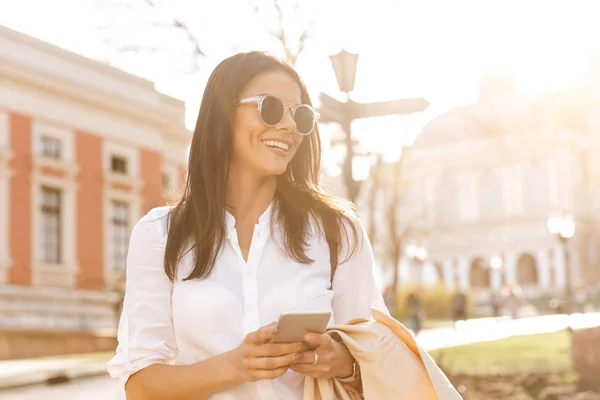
<point>32,62</point>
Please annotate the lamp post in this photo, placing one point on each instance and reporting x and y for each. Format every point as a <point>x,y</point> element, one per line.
<point>496,264</point>
<point>344,65</point>
<point>563,227</point>
<point>416,253</point>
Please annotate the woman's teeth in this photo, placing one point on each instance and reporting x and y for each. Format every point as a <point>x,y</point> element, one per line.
<point>279,145</point>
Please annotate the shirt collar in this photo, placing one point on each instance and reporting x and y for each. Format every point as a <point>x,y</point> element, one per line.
<point>264,221</point>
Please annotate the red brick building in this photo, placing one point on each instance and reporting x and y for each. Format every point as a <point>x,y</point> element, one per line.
<point>85,151</point>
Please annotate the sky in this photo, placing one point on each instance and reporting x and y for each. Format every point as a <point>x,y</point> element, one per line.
<point>435,49</point>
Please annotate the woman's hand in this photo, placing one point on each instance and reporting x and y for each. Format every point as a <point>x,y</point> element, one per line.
<point>333,359</point>
<point>255,359</point>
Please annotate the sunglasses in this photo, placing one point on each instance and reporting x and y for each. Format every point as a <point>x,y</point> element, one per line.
<point>272,111</point>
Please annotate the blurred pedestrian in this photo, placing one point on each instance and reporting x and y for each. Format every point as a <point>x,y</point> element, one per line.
<point>512,300</point>
<point>496,302</point>
<point>459,306</point>
<point>415,310</point>
<point>389,298</point>
<point>581,297</point>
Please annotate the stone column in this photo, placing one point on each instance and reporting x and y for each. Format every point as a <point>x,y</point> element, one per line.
<point>464,273</point>
<point>517,189</point>
<point>575,262</point>
<point>543,269</point>
<point>449,273</point>
<point>560,271</point>
<point>5,258</point>
<point>496,279</point>
<point>404,271</point>
<point>510,266</point>
<point>5,176</point>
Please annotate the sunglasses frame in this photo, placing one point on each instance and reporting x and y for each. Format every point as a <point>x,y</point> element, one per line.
<point>259,100</point>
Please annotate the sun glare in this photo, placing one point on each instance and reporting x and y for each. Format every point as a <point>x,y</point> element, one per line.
<point>439,51</point>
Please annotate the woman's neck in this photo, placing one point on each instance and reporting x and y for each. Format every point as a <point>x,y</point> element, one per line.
<point>248,196</point>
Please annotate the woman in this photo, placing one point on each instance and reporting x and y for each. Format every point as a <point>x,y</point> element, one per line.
<point>253,236</point>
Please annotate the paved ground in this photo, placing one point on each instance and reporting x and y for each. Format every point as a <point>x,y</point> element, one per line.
<point>489,329</point>
<point>105,388</point>
<point>100,388</point>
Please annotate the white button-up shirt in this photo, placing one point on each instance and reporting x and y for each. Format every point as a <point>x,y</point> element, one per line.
<point>184,322</point>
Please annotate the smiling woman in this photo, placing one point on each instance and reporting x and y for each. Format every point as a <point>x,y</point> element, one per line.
<point>253,237</point>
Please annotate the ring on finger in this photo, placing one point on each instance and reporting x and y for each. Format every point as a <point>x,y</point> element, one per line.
<point>316,361</point>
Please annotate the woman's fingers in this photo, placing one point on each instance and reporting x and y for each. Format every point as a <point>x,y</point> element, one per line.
<point>322,340</point>
<point>260,336</point>
<point>270,363</point>
<point>267,374</point>
<point>274,349</point>
<point>315,371</point>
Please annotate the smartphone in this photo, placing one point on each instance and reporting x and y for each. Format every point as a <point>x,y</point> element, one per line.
<point>293,327</point>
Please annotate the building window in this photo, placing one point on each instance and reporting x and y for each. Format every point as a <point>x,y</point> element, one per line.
<point>448,203</point>
<point>50,147</point>
<point>118,165</point>
<point>536,187</point>
<point>50,229</point>
<point>527,270</point>
<point>491,195</point>
<point>479,275</point>
<point>120,234</point>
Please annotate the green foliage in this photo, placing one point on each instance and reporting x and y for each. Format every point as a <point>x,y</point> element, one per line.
<point>542,352</point>
<point>436,301</point>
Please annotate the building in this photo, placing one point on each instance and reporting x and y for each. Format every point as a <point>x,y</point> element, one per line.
<point>85,151</point>
<point>481,181</point>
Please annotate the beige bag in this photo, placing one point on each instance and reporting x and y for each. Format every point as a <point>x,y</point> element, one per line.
<point>393,366</point>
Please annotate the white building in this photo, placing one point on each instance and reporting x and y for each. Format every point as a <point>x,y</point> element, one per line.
<point>482,180</point>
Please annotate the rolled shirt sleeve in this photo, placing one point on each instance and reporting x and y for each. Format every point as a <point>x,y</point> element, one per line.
<point>354,283</point>
<point>145,333</point>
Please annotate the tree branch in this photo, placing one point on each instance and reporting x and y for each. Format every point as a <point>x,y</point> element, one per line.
<point>174,23</point>
<point>179,24</point>
<point>183,26</point>
<point>304,37</point>
<point>291,48</point>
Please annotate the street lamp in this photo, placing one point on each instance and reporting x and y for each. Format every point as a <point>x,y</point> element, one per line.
<point>344,112</point>
<point>495,262</point>
<point>563,227</point>
<point>416,253</point>
<point>344,65</point>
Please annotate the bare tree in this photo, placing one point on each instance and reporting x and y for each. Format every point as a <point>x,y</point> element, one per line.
<point>396,230</point>
<point>286,28</point>
<point>148,18</point>
<point>400,228</point>
<point>376,187</point>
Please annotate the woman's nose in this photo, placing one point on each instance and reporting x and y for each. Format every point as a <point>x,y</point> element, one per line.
<point>287,122</point>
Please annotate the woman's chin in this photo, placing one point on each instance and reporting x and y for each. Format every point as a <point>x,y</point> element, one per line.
<point>275,169</point>
<point>278,172</point>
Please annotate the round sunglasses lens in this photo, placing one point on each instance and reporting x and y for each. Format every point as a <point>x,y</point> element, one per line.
<point>305,120</point>
<point>272,110</point>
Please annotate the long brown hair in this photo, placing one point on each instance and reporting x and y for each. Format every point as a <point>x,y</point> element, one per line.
<point>197,221</point>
